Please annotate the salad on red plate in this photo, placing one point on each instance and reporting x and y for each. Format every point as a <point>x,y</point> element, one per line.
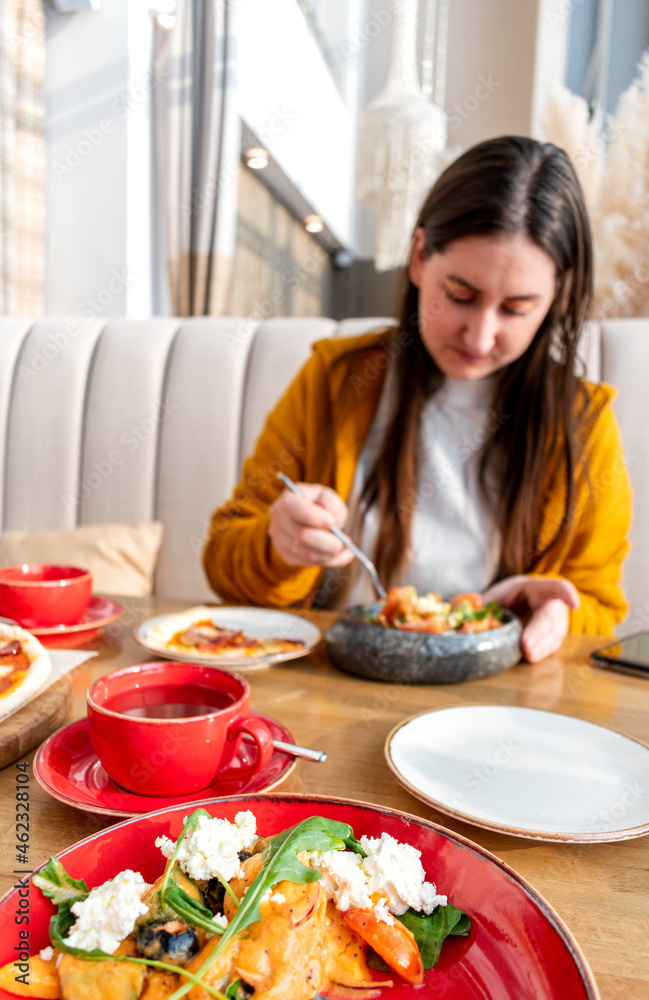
<point>309,912</point>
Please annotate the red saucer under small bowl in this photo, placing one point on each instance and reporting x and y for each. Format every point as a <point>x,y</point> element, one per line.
<point>100,612</point>
<point>67,767</point>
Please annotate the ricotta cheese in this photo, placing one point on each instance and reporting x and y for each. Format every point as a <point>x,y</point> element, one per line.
<point>108,913</point>
<point>212,847</point>
<point>343,879</point>
<point>395,871</point>
<point>389,880</point>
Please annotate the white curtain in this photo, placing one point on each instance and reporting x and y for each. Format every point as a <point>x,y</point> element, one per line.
<point>197,152</point>
<point>22,157</point>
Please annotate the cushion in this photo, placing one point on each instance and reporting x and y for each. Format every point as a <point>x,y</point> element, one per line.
<point>121,557</point>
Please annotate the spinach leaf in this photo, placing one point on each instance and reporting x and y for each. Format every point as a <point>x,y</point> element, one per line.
<point>279,862</point>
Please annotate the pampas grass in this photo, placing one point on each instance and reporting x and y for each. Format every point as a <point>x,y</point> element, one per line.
<point>612,162</point>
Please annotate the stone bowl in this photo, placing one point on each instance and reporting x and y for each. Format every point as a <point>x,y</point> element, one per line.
<point>379,653</point>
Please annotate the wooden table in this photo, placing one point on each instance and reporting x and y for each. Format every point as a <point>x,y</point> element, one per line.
<point>600,890</point>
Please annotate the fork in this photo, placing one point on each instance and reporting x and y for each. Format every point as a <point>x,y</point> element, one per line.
<point>345,539</point>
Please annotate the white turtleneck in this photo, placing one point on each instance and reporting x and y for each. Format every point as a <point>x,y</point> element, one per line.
<point>454,544</point>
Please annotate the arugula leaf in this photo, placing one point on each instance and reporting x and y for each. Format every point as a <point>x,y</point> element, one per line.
<point>55,883</point>
<point>174,897</point>
<point>192,821</point>
<point>430,932</point>
<point>190,910</point>
<point>236,991</point>
<point>279,862</point>
<point>60,925</point>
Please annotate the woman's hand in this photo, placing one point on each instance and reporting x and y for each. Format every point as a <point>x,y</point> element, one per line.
<point>547,600</point>
<point>299,527</point>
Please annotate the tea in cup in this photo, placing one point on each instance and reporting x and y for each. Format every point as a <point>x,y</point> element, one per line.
<point>173,728</point>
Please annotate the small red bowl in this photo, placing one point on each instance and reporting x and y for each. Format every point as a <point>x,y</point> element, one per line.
<point>41,596</point>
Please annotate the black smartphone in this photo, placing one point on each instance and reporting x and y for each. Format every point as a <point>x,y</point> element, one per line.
<point>629,655</point>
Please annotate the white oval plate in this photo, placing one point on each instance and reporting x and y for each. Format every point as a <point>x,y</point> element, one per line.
<point>255,623</point>
<point>524,772</point>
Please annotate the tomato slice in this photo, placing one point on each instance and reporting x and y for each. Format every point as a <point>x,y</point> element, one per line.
<point>475,600</point>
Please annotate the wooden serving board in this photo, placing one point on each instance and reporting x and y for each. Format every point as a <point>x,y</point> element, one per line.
<point>23,730</point>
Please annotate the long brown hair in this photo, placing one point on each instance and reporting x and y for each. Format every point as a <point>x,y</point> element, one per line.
<point>504,186</point>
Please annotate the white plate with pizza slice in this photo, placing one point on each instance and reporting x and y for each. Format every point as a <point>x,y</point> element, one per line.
<point>232,638</point>
<point>24,667</point>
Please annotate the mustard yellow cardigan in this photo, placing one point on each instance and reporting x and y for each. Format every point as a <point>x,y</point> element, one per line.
<point>316,434</point>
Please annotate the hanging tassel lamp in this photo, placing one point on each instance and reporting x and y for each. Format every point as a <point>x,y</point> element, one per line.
<point>402,139</point>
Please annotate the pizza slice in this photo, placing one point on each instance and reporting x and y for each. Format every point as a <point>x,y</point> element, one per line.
<point>206,637</point>
<point>24,667</point>
<point>195,632</point>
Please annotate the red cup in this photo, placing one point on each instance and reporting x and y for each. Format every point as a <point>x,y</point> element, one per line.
<point>146,733</point>
<point>41,596</point>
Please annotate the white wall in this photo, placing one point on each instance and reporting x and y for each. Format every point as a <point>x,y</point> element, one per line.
<point>98,91</point>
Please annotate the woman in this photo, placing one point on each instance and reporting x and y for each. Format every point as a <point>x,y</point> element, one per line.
<point>470,452</point>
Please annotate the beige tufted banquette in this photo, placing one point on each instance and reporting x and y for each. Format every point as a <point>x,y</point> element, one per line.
<point>140,420</point>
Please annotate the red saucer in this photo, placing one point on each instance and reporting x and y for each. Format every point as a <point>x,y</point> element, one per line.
<point>100,612</point>
<point>67,768</point>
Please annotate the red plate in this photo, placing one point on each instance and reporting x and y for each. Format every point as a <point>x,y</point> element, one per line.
<point>100,612</point>
<point>67,767</point>
<point>518,949</point>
